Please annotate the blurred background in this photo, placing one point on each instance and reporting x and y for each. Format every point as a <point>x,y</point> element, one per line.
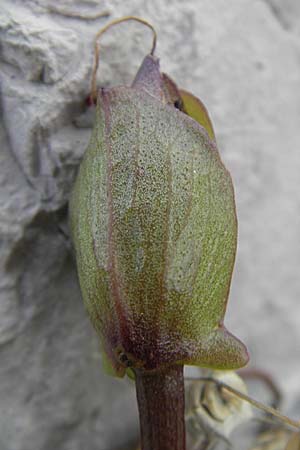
<point>242,58</point>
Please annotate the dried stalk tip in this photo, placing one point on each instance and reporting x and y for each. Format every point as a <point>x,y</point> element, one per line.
<point>97,49</point>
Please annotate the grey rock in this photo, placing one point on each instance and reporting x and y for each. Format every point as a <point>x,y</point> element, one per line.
<point>38,47</point>
<point>244,63</point>
<point>287,13</point>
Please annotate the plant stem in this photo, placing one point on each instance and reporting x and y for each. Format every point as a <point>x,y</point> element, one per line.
<point>160,396</point>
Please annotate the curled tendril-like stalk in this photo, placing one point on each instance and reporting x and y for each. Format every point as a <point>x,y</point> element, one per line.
<point>97,48</point>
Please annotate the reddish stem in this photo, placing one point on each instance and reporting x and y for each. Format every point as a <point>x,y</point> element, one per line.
<point>160,396</point>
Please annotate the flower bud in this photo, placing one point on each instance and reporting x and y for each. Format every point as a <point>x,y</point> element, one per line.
<point>154,228</point>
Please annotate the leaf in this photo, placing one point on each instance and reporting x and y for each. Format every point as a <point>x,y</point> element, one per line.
<point>194,108</point>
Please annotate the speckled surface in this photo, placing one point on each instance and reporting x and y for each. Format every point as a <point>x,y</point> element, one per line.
<point>242,58</point>
<point>154,227</point>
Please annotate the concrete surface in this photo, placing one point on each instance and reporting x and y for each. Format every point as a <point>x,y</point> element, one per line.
<point>242,57</point>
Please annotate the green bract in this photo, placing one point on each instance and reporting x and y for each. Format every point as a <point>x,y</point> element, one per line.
<point>154,227</point>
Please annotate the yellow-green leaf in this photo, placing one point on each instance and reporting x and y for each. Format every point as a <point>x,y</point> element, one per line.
<point>194,108</point>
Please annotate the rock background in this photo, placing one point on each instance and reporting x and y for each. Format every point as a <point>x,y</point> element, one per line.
<point>242,57</point>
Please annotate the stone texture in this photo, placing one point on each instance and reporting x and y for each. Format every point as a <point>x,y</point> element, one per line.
<point>243,59</point>
<point>287,13</point>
